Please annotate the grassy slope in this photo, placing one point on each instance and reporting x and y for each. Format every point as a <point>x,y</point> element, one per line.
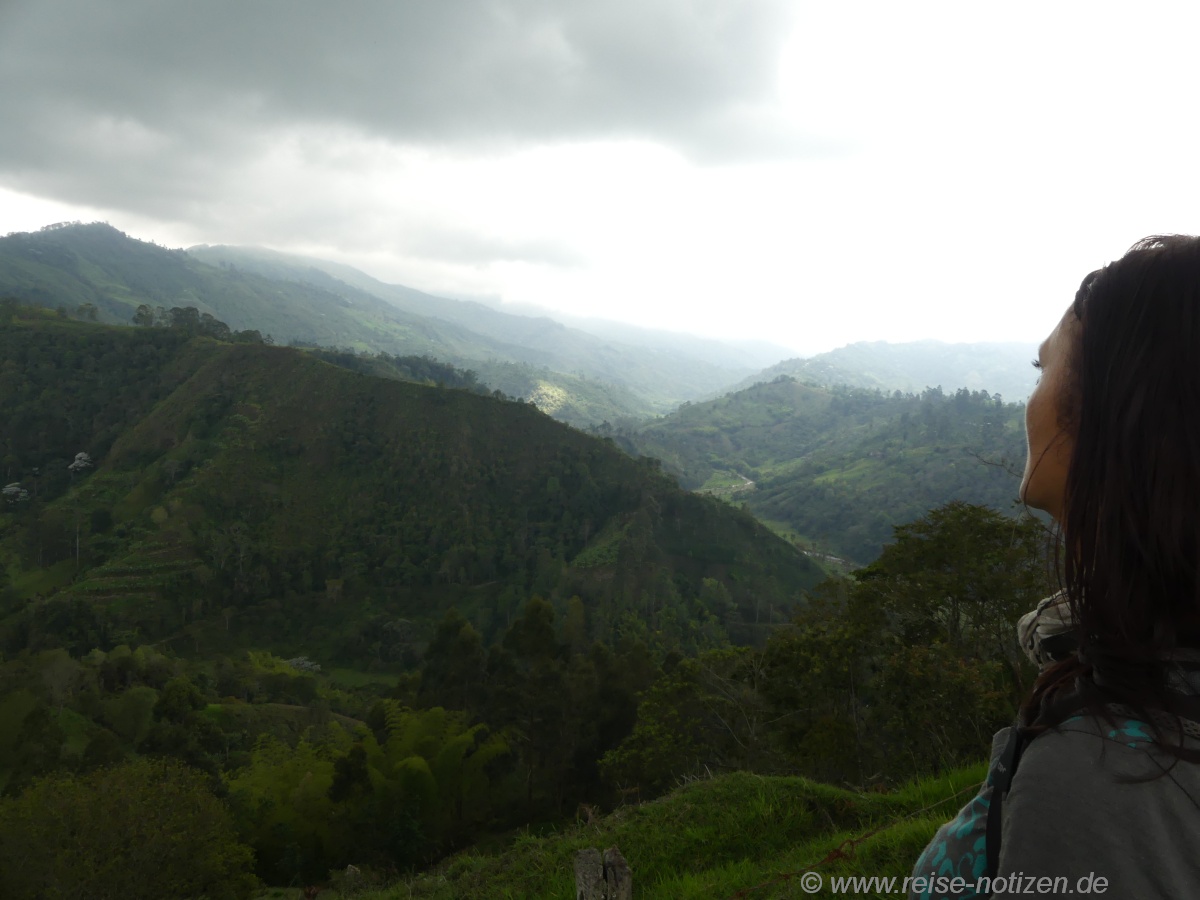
<point>712,839</point>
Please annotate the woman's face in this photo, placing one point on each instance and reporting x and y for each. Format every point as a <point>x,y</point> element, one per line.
<point>1050,445</point>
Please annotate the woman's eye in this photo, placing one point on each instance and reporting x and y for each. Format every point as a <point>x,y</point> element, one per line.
<point>1037,365</point>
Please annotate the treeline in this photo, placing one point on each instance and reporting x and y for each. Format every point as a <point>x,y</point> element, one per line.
<point>417,369</point>
<point>193,323</point>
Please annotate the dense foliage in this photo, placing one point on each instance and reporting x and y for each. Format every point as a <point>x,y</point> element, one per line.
<point>141,830</point>
<point>906,668</point>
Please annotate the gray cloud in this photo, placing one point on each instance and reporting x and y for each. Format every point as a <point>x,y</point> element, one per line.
<point>414,72</point>
<point>168,110</point>
<point>463,246</point>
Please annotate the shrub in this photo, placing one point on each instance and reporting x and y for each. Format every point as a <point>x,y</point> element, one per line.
<point>144,830</point>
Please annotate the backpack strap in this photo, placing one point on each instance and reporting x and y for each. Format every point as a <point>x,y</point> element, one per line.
<point>1006,767</point>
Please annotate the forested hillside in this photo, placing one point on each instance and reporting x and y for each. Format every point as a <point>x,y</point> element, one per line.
<point>254,491</point>
<point>572,375</point>
<point>839,467</point>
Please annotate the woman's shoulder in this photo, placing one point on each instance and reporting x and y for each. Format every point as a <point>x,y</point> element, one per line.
<point>1119,757</point>
<point>1100,797</point>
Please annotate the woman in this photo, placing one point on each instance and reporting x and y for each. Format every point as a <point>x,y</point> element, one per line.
<point>1099,778</point>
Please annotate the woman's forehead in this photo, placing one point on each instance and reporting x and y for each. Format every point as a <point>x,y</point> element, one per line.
<point>1062,334</point>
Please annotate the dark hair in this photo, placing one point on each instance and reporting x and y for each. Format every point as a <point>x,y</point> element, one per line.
<point>1131,514</point>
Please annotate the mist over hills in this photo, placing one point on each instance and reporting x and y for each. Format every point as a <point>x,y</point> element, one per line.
<point>732,352</point>
<point>583,372</point>
<point>653,370</point>
<point>779,444</point>
<point>576,376</point>
<point>998,368</point>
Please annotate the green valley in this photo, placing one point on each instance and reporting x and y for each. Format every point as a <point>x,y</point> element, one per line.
<point>837,467</point>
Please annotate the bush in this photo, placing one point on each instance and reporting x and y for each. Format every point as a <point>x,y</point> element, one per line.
<point>145,830</point>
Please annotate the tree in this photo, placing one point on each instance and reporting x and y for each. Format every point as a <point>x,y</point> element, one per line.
<point>963,575</point>
<point>282,804</point>
<point>455,666</point>
<point>185,319</point>
<point>818,682</point>
<point>82,463</point>
<point>705,714</point>
<point>30,740</point>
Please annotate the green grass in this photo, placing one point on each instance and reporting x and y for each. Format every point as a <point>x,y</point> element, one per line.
<point>724,483</point>
<point>602,550</point>
<point>45,581</point>
<point>713,839</point>
<point>352,678</point>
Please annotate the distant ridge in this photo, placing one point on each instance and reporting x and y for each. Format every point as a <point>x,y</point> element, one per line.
<point>663,372</point>
<point>998,368</point>
<point>578,377</point>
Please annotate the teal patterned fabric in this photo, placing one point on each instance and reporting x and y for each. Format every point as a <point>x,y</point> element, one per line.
<point>959,849</point>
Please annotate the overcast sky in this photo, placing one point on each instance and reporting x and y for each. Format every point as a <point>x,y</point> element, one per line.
<point>807,173</point>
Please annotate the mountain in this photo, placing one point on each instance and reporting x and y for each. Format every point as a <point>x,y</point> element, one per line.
<point>663,370</point>
<point>245,494</point>
<point>998,368</point>
<point>838,467</point>
<point>587,379</point>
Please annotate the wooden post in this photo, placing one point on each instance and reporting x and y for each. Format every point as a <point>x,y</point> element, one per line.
<point>617,875</point>
<point>589,875</point>
<point>602,879</point>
